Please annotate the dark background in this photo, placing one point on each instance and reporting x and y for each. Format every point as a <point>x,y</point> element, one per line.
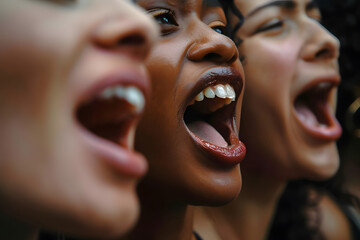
<point>342,18</point>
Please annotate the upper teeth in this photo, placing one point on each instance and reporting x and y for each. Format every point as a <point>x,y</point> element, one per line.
<point>220,91</point>
<point>131,94</point>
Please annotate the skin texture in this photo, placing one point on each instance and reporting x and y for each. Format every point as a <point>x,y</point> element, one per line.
<point>54,173</point>
<point>286,51</point>
<point>181,173</point>
<point>292,56</point>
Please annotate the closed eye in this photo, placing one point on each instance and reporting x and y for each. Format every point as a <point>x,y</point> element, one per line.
<point>62,2</point>
<point>272,25</point>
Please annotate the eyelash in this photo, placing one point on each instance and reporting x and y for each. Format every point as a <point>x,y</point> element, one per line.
<point>221,30</point>
<point>271,25</point>
<point>63,2</point>
<point>166,19</point>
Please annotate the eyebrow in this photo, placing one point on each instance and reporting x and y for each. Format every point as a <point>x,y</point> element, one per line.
<point>286,4</point>
<point>182,4</point>
<point>312,5</point>
<point>212,3</point>
<point>171,1</point>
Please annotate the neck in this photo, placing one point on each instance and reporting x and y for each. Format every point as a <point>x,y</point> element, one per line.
<point>13,229</point>
<point>253,209</point>
<point>162,220</point>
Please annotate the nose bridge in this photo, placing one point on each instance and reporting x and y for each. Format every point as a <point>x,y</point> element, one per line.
<point>209,45</point>
<point>319,42</point>
<point>125,28</point>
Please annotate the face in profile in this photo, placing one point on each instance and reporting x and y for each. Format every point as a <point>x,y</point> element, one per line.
<point>189,129</point>
<point>72,88</point>
<point>292,74</point>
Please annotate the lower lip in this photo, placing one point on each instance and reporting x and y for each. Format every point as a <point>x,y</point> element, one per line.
<point>122,160</point>
<point>328,133</point>
<point>226,156</point>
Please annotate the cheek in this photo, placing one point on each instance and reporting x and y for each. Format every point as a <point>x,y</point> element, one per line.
<point>271,60</point>
<point>164,66</point>
<point>270,67</point>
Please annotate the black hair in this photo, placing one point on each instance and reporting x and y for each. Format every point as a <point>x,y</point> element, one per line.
<point>232,27</point>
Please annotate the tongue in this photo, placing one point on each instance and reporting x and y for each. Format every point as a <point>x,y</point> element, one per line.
<point>306,115</point>
<point>207,132</point>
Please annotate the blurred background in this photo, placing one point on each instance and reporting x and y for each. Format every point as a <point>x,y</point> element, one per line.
<point>342,18</point>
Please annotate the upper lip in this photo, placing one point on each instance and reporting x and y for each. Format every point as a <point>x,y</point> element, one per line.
<point>235,153</point>
<point>131,77</point>
<point>334,80</point>
<point>220,75</point>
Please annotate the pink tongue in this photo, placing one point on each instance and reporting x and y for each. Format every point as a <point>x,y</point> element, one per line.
<point>306,115</point>
<point>207,132</point>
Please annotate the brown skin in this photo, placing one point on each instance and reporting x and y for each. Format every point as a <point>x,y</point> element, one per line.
<point>285,50</point>
<point>52,173</point>
<point>179,172</point>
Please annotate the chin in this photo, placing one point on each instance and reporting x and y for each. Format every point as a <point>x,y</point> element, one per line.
<point>107,216</point>
<point>218,189</point>
<point>322,164</point>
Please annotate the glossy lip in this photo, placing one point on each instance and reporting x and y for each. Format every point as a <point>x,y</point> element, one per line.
<point>235,153</point>
<point>122,160</point>
<point>333,131</point>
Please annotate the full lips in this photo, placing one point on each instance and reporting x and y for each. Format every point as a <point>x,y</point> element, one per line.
<point>221,123</point>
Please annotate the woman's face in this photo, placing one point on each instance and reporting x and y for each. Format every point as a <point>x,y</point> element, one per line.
<point>72,87</point>
<point>291,66</point>
<point>189,129</point>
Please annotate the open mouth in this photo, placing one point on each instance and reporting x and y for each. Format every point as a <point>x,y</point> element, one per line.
<point>112,114</point>
<point>210,116</point>
<point>313,109</point>
<point>210,119</point>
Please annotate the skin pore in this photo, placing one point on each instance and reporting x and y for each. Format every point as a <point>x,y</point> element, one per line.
<point>189,139</point>
<point>59,169</point>
<point>288,122</point>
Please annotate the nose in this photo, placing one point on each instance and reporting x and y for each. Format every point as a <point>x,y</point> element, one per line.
<point>133,34</point>
<point>212,46</point>
<point>321,44</point>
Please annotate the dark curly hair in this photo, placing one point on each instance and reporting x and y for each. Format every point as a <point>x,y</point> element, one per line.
<point>232,27</point>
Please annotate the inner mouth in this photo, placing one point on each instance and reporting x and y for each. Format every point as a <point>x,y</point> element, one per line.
<point>210,115</point>
<point>312,106</point>
<point>112,114</point>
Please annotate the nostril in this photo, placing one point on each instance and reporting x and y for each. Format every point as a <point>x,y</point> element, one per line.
<point>323,53</point>
<point>132,40</point>
<point>213,57</point>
